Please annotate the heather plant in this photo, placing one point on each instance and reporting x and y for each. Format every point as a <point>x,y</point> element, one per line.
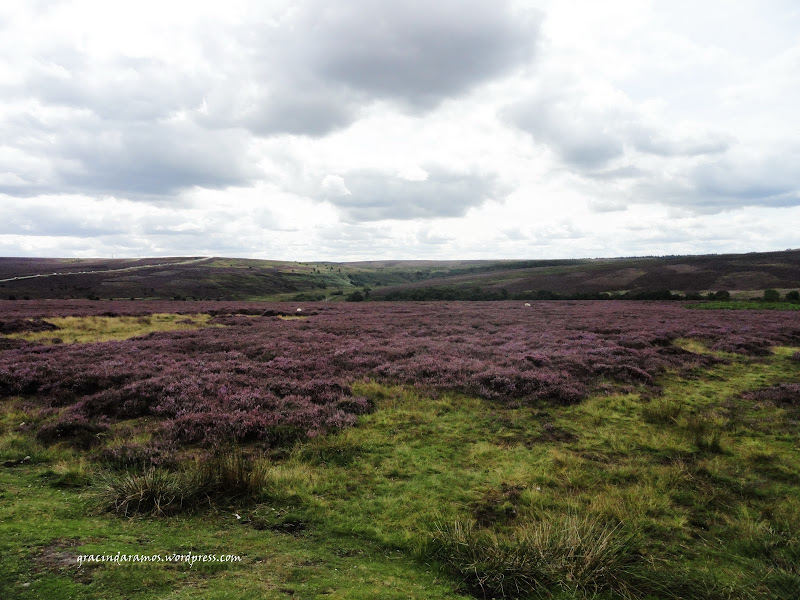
<point>74,429</point>
<point>24,325</point>
<point>781,393</point>
<point>140,456</point>
<point>264,379</point>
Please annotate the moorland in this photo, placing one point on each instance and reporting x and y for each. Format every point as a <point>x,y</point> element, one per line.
<point>572,449</point>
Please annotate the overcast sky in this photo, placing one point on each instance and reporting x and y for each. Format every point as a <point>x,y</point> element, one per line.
<point>369,129</point>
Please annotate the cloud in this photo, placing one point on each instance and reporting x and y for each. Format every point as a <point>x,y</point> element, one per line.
<point>652,140</point>
<point>67,151</point>
<point>372,195</point>
<point>589,125</point>
<point>742,179</point>
<point>119,110</point>
<point>586,130</point>
<point>737,179</point>
<point>416,52</point>
<point>312,70</point>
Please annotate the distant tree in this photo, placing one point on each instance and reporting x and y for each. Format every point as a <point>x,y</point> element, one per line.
<point>720,295</point>
<point>793,296</point>
<point>356,296</point>
<point>772,296</point>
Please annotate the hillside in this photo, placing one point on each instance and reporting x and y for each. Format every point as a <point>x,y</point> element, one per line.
<point>744,275</point>
<point>212,278</point>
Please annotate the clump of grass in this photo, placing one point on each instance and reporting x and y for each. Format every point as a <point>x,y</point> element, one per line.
<point>575,555</point>
<point>232,474</point>
<point>154,491</point>
<point>704,434</point>
<point>160,492</point>
<point>662,411</point>
<point>105,328</point>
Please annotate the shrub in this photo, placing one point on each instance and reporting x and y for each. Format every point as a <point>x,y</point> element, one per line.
<point>722,295</point>
<point>75,429</point>
<point>781,393</point>
<point>772,296</point>
<point>20,325</point>
<point>140,456</point>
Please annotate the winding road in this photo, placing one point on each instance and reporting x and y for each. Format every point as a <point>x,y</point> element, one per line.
<point>133,268</point>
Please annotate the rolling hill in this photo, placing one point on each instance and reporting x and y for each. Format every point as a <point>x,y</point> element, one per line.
<point>214,278</point>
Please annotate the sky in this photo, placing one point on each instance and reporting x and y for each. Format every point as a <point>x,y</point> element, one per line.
<point>398,129</point>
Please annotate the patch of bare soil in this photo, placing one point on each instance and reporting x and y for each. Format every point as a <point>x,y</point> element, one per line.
<point>57,557</point>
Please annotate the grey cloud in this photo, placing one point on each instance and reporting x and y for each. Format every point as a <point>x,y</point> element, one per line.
<point>84,154</point>
<point>660,143</point>
<point>766,181</point>
<point>38,219</point>
<point>158,159</point>
<point>312,71</point>
<point>375,196</point>
<point>148,126</point>
<point>300,111</point>
<point>584,139</point>
<point>727,182</point>
<point>626,172</point>
<point>418,52</point>
<point>120,88</point>
<point>589,134</point>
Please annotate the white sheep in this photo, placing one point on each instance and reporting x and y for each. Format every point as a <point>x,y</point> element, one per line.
<point>527,304</point>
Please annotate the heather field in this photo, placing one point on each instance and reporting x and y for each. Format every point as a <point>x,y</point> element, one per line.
<point>614,449</point>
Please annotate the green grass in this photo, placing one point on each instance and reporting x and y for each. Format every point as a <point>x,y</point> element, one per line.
<point>82,330</point>
<point>693,493</point>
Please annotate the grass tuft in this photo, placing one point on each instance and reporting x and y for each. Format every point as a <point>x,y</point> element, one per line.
<point>160,492</point>
<point>662,411</point>
<point>704,434</point>
<point>575,555</point>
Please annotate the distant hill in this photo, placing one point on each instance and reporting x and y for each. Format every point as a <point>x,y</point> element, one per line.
<point>743,275</point>
<point>212,278</point>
